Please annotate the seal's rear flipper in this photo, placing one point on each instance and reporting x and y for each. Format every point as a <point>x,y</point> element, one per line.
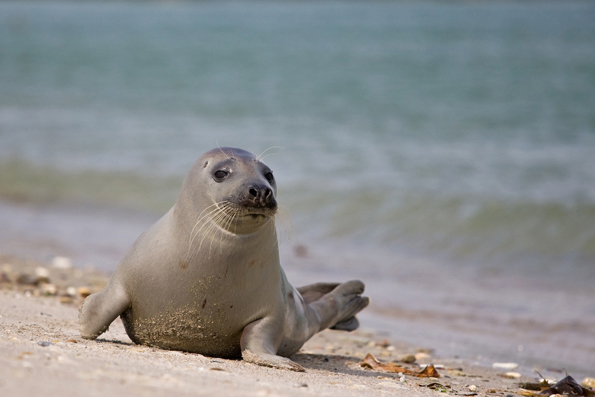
<point>338,307</point>
<point>351,324</point>
<point>314,292</point>
<point>99,310</point>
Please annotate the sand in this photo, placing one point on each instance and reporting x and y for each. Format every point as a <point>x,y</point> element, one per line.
<point>42,353</point>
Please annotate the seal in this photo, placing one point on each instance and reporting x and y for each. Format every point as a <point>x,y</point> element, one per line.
<point>206,277</point>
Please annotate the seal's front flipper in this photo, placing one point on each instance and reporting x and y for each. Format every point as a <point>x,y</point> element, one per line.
<point>99,310</point>
<point>313,292</point>
<point>259,344</point>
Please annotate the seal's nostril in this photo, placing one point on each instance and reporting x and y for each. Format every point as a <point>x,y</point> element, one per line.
<point>253,192</point>
<point>267,193</point>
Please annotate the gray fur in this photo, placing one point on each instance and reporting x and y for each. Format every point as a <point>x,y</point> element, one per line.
<point>210,283</point>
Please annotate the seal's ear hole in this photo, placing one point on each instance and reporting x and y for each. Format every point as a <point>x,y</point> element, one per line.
<point>206,163</point>
<point>220,175</point>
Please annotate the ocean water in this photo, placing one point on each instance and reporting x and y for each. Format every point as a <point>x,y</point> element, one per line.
<point>459,132</point>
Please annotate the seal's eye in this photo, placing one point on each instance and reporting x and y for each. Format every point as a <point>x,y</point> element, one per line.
<point>220,175</point>
<point>269,176</point>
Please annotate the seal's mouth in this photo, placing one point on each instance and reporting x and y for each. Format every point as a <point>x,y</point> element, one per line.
<point>259,213</point>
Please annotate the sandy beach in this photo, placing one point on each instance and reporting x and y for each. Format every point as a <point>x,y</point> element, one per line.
<point>41,351</point>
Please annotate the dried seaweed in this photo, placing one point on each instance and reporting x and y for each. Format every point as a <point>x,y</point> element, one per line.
<point>371,362</point>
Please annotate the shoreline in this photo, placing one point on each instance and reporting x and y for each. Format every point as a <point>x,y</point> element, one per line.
<point>41,340</point>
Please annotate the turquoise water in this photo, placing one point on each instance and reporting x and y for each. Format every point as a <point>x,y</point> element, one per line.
<point>460,131</point>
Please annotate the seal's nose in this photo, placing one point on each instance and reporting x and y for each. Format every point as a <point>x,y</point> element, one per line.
<point>260,196</point>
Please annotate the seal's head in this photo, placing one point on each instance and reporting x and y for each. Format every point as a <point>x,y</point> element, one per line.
<point>232,187</point>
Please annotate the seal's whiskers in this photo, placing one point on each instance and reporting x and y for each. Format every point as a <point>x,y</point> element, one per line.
<point>209,220</point>
<point>260,158</point>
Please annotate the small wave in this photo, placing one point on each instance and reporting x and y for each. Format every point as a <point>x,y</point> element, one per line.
<point>21,181</point>
<point>484,232</point>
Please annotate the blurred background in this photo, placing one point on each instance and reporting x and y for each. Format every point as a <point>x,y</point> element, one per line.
<point>442,151</point>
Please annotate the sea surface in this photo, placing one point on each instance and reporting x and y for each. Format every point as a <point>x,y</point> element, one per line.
<point>460,131</point>
<point>447,145</point>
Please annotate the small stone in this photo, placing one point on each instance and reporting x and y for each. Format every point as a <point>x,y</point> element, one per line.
<point>422,356</point>
<point>84,292</point>
<point>424,350</point>
<point>71,291</point>
<point>408,358</point>
<point>588,382</point>
<point>44,343</point>
<point>472,388</point>
<point>27,279</point>
<point>300,251</point>
<point>42,272</point>
<point>48,289</point>
<point>511,375</point>
<point>71,341</point>
<point>509,366</point>
<point>61,262</point>
<point>66,299</point>
<point>300,385</point>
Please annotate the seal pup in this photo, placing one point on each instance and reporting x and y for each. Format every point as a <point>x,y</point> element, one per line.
<point>206,277</point>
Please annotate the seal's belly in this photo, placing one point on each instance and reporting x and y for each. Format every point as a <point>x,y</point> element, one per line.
<point>208,323</point>
<point>188,329</point>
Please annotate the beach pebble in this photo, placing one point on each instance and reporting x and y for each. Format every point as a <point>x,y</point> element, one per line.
<point>509,366</point>
<point>27,279</point>
<point>472,388</point>
<point>71,291</point>
<point>84,292</point>
<point>408,358</point>
<point>300,385</point>
<point>42,272</point>
<point>588,382</point>
<point>61,262</point>
<point>300,251</point>
<point>512,375</point>
<point>422,356</point>
<point>48,289</point>
<point>44,343</point>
